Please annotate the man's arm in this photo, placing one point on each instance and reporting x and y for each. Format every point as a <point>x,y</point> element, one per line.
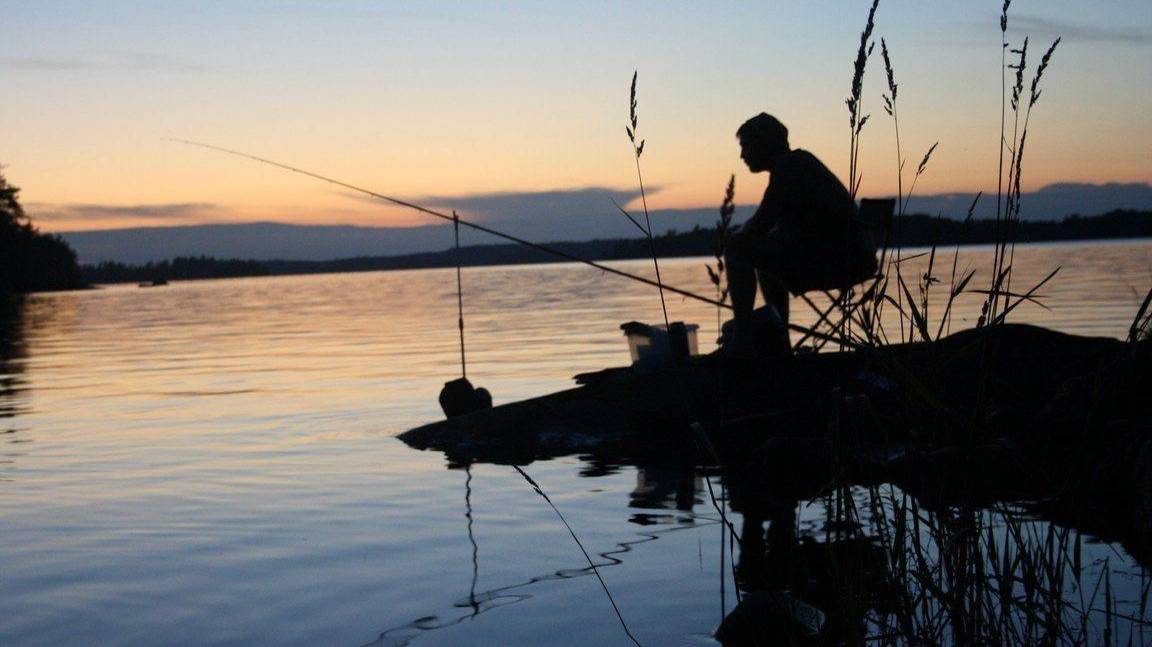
<point>770,212</point>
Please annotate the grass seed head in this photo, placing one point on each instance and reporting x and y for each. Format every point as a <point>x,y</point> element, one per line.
<point>862,55</point>
<point>924,162</point>
<point>1035,93</point>
<point>888,68</point>
<point>1020,66</point>
<point>632,101</point>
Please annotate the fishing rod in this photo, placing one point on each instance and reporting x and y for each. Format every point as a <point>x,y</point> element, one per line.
<point>461,221</point>
<point>488,230</point>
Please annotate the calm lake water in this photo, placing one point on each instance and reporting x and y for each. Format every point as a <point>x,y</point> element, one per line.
<point>214,462</point>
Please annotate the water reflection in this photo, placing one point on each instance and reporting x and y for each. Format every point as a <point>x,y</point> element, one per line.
<point>664,487</point>
<point>847,564</point>
<point>199,458</point>
<point>13,391</point>
<point>14,397</point>
<point>658,487</point>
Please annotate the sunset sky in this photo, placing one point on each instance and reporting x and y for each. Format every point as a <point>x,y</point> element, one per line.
<point>454,101</point>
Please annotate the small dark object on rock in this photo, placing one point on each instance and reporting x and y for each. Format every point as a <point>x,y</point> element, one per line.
<point>459,397</point>
<point>767,336</point>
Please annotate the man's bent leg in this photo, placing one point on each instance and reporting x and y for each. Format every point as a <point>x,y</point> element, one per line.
<point>771,270</point>
<point>740,261</point>
<point>775,293</point>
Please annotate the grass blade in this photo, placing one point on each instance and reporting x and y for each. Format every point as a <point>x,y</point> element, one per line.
<point>596,571</point>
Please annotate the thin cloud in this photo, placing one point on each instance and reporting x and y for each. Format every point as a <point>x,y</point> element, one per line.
<point>46,64</point>
<point>178,212</point>
<point>524,205</point>
<point>1034,24</point>
<point>389,12</point>
<point>104,60</point>
<point>560,204</point>
<point>558,214</point>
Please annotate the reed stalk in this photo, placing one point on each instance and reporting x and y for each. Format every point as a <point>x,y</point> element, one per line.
<point>638,150</point>
<point>856,121</point>
<point>960,573</point>
<point>890,107</point>
<point>539,490</point>
<point>1141,328</point>
<point>724,230</point>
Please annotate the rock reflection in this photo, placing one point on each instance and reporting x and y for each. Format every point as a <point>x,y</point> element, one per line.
<point>658,487</point>
<point>664,487</point>
<point>827,558</point>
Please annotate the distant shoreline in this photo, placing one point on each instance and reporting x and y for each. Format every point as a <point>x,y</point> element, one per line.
<point>916,231</point>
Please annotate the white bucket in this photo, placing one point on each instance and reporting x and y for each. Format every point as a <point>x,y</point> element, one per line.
<point>651,345</point>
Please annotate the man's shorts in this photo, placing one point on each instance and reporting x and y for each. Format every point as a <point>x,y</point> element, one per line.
<point>806,263</point>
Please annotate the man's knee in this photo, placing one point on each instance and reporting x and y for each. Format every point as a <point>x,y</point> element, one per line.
<point>770,259</point>
<point>739,256</point>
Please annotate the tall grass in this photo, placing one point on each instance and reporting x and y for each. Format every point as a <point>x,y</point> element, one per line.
<point>856,122</point>
<point>999,296</point>
<point>959,575</point>
<point>638,150</point>
<point>910,297</point>
<point>856,116</point>
<point>724,229</point>
<point>1141,328</point>
<point>959,572</point>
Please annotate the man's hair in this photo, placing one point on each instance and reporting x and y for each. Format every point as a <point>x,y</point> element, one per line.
<point>765,129</point>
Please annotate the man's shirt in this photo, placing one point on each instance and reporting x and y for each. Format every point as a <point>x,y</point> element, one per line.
<point>804,200</point>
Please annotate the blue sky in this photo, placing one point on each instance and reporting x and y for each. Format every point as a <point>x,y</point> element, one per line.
<point>465,99</point>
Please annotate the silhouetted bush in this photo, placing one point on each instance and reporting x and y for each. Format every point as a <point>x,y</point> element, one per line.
<point>29,260</point>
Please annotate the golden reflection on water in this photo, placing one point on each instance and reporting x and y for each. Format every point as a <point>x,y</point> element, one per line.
<point>167,454</point>
<point>217,359</point>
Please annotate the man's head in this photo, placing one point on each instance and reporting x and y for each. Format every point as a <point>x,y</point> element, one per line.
<point>763,139</point>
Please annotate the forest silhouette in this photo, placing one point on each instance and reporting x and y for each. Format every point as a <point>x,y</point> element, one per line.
<point>29,260</point>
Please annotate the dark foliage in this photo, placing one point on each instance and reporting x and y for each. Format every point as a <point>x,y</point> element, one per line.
<point>179,268</point>
<point>920,230</point>
<point>29,260</point>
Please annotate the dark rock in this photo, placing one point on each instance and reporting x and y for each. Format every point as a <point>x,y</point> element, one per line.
<point>459,397</point>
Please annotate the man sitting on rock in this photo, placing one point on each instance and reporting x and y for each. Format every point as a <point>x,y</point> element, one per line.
<point>803,237</point>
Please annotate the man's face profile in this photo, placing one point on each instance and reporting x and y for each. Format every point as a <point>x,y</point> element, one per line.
<point>753,154</point>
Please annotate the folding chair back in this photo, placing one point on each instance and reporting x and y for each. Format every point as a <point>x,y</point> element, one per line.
<point>874,218</point>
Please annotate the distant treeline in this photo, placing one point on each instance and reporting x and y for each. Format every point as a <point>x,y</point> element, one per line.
<point>180,268</point>
<point>29,260</point>
<point>909,231</point>
<point>204,267</point>
<point>920,230</point>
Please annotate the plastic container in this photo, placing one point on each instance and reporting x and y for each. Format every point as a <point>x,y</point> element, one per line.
<point>652,345</point>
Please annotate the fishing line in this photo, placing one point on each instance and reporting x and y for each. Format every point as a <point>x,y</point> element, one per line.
<point>459,296</point>
<point>472,539</point>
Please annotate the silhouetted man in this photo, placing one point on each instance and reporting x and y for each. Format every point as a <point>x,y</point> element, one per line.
<point>802,237</point>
